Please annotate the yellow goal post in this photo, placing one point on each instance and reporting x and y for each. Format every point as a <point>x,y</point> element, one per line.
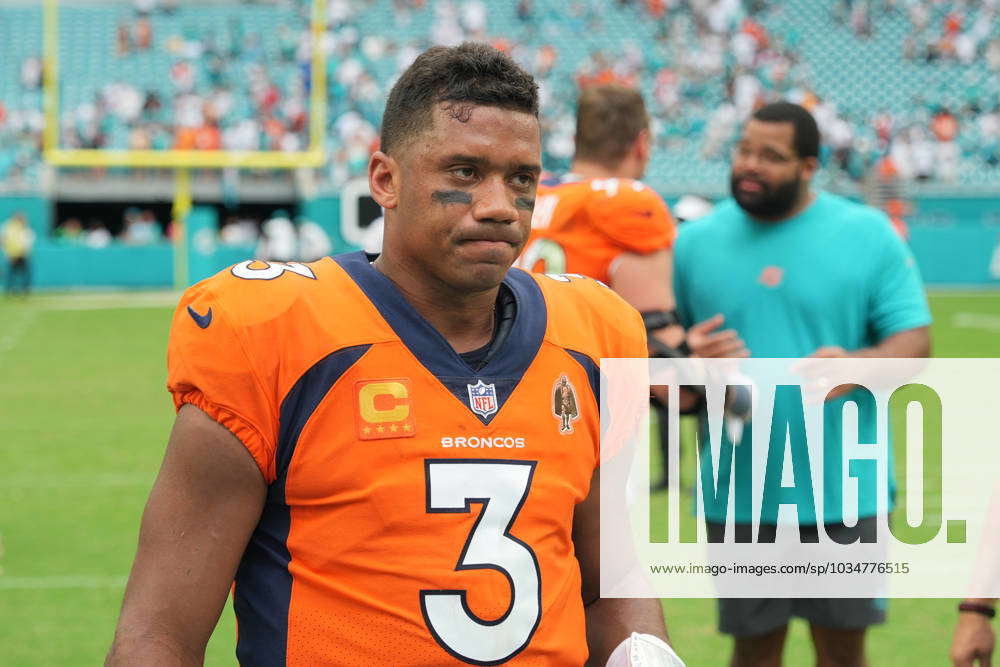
<point>182,161</point>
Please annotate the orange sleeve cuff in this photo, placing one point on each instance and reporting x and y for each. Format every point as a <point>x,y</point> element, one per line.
<point>244,431</point>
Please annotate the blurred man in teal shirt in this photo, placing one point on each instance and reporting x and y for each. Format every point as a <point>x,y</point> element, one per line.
<point>799,273</point>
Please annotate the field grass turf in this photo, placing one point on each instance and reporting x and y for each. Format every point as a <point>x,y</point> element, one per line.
<point>84,418</point>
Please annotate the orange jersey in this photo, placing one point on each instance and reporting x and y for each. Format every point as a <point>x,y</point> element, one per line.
<point>581,226</point>
<point>418,511</point>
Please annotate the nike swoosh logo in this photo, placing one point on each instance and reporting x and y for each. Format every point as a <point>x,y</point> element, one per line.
<point>201,320</point>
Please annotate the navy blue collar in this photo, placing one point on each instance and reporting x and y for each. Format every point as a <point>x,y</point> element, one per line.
<point>506,367</point>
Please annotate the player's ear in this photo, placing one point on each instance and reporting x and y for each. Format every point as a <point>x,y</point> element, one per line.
<point>383,179</point>
<point>809,167</point>
<point>644,145</point>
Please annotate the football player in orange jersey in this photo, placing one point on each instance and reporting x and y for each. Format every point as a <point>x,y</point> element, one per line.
<point>371,449</point>
<point>601,221</point>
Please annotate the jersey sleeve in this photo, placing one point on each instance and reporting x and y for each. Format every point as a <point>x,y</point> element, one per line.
<point>634,344</point>
<point>625,396</point>
<point>596,319</point>
<point>898,301</point>
<point>632,216</point>
<point>208,366</point>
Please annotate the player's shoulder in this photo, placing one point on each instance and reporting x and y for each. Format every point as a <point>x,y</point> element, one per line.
<point>842,206</point>
<point>265,288</point>
<point>584,312</point>
<point>860,219</point>
<point>572,286</point>
<point>725,214</point>
<point>282,315</point>
<point>266,299</point>
<point>612,193</point>
<point>631,213</point>
<point>614,190</point>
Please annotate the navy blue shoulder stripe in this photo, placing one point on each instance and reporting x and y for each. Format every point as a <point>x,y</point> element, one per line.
<point>592,370</point>
<point>263,583</point>
<point>301,401</point>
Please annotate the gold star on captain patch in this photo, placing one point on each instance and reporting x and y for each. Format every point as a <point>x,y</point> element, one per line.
<point>367,430</point>
<point>393,428</point>
<point>407,427</point>
<point>380,428</point>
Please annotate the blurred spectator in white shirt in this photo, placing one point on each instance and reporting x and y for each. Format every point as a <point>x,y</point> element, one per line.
<point>31,73</point>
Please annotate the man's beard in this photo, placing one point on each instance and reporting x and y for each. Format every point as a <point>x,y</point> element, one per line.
<point>770,203</point>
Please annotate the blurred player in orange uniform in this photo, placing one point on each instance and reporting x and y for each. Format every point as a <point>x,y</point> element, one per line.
<point>371,448</point>
<point>601,221</point>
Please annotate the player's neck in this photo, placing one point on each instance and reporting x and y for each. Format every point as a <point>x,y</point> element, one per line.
<point>587,169</point>
<point>467,327</point>
<point>465,319</point>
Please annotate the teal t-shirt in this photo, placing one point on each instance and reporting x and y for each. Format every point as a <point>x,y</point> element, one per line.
<point>836,274</point>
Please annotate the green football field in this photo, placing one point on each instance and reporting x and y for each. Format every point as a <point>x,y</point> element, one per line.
<point>84,418</point>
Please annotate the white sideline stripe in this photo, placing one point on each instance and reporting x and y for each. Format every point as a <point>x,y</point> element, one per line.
<point>62,481</point>
<point>57,581</point>
<point>976,321</point>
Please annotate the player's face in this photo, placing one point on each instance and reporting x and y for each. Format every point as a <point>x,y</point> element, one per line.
<point>467,190</point>
<point>768,176</point>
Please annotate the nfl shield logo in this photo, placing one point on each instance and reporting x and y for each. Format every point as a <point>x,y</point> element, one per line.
<point>482,398</point>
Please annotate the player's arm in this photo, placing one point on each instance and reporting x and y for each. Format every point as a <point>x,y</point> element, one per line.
<point>974,639</point>
<point>204,505</point>
<point>910,344</point>
<point>646,283</point>
<point>610,621</point>
<point>898,313</point>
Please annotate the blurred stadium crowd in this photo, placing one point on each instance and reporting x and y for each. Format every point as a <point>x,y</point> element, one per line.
<point>901,88</point>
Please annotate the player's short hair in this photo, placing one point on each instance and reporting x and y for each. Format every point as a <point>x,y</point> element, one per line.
<point>609,118</point>
<point>468,74</point>
<point>806,137</point>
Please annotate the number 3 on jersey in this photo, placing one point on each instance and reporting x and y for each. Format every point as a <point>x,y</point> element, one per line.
<point>501,486</point>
